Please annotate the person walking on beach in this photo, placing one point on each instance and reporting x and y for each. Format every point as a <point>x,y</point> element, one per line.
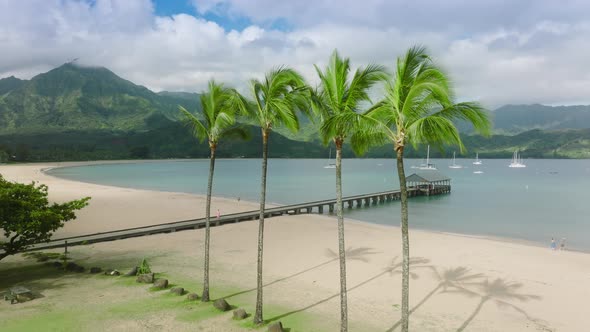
<point>553,244</point>
<point>218,214</point>
<point>562,244</point>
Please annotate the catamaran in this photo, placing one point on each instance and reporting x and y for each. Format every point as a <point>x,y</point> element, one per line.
<point>454,164</point>
<point>331,165</point>
<point>516,161</point>
<point>477,161</point>
<point>427,165</point>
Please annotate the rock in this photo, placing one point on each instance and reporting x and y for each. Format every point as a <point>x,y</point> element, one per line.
<point>115,273</point>
<point>147,278</point>
<point>276,327</point>
<point>132,273</point>
<point>240,314</point>
<point>107,272</point>
<point>161,283</point>
<point>221,304</point>
<point>73,267</point>
<point>24,297</point>
<point>192,297</point>
<point>177,290</point>
<point>95,269</point>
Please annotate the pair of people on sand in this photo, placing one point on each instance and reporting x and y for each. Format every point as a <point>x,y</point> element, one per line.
<point>561,244</point>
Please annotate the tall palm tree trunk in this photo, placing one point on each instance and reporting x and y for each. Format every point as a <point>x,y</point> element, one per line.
<point>341,247</point>
<point>405,240</point>
<point>258,314</point>
<point>205,297</point>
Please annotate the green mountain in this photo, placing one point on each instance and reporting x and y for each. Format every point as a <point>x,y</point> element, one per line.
<point>514,119</point>
<point>72,97</point>
<point>10,83</point>
<point>83,113</point>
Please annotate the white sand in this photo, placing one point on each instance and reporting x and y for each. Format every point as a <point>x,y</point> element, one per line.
<point>515,287</point>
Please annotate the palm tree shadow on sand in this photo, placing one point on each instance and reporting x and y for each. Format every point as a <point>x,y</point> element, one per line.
<point>359,254</point>
<point>460,281</point>
<point>501,291</point>
<point>393,268</point>
<point>452,278</point>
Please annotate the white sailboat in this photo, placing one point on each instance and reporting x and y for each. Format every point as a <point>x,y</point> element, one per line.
<point>454,164</point>
<point>330,165</point>
<point>427,165</point>
<point>477,161</point>
<point>516,161</point>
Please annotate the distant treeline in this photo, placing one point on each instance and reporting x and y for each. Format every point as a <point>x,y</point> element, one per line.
<point>173,141</point>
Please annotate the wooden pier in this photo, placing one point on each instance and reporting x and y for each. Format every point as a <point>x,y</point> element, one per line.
<point>418,188</point>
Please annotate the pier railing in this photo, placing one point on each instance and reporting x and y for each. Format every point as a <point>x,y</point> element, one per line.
<point>309,207</point>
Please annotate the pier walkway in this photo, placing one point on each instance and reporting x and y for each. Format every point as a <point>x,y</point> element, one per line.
<point>318,206</point>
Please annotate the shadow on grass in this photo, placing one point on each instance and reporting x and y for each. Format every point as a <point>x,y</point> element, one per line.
<point>392,269</point>
<point>351,254</point>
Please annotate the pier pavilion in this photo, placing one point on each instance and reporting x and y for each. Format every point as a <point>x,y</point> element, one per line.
<point>429,182</point>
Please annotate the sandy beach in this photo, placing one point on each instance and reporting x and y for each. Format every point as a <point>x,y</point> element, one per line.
<point>459,283</point>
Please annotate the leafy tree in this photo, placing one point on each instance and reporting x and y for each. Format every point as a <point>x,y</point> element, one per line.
<point>338,102</point>
<point>418,107</point>
<point>26,217</point>
<point>277,98</point>
<point>219,105</point>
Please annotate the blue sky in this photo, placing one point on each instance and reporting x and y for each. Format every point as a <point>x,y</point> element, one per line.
<point>228,22</point>
<point>496,51</point>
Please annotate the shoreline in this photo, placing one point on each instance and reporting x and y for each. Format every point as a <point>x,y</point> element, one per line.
<point>545,290</point>
<point>427,230</point>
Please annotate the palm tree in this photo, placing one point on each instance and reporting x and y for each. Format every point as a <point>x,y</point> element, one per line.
<point>220,105</point>
<point>277,99</point>
<point>418,107</point>
<point>337,102</point>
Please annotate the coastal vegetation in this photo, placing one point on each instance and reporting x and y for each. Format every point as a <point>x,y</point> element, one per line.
<point>337,105</point>
<point>96,115</point>
<point>419,108</point>
<point>219,105</point>
<point>277,100</point>
<point>27,217</point>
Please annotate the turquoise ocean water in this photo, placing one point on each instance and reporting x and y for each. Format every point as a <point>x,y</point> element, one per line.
<point>548,198</point>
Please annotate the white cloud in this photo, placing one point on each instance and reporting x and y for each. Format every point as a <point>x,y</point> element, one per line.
<point>544,60</point>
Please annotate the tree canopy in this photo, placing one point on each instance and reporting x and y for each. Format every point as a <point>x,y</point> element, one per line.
<point>27,217</point>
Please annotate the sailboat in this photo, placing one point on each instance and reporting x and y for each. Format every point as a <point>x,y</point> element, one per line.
<point>427,165</point>
<point>454,164</point>
<point>330,165</point>
<point>516,161</point>
<point>477,161</point>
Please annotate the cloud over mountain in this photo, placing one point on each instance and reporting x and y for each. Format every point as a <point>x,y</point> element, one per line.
<point>496,51</point>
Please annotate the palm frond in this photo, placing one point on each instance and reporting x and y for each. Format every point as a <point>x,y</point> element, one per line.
<point>237,132</point>
<point>436,130</point>
<point>197,128</point>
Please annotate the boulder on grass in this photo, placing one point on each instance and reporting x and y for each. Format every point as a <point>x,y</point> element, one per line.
<point>177,290</point>
<point>161,283</point>
<point>132,273</point>
<point>73,267</point>
<point>192,297</point>
<point>221,304</point>
<point>95,269</point>
<point>147,278</point>
<point>115,273</point>
<point>276,327</point>
<point>240,314</point>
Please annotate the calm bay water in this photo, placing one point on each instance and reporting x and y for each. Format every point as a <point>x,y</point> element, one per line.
<point>548,198</point>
